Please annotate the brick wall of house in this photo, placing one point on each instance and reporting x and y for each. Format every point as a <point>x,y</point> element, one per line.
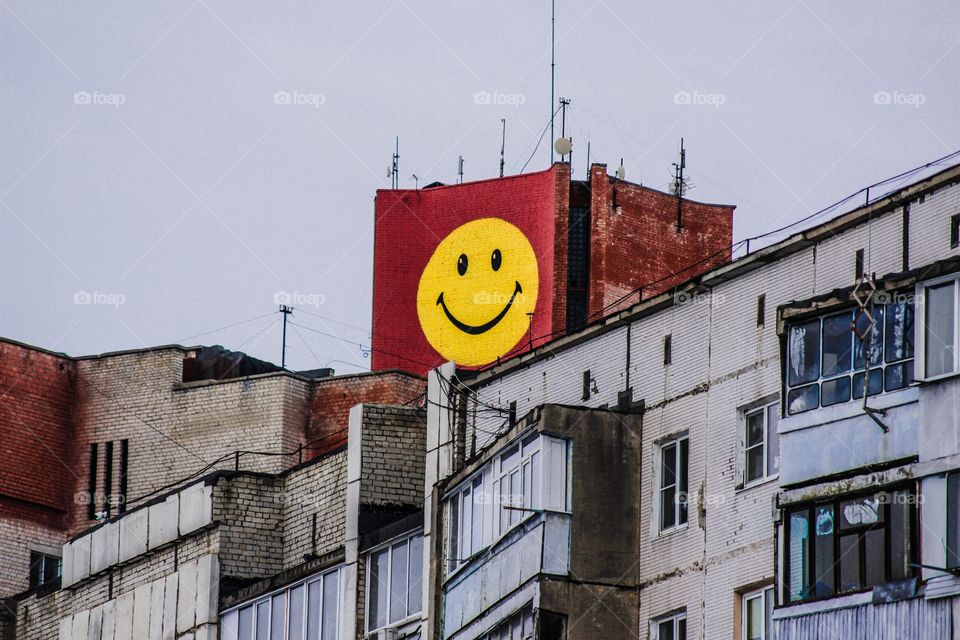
<point>393,455</point>
<point>316,489</point>
<point>249,509</point>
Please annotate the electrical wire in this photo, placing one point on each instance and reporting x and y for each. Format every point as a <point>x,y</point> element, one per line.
<point>539,140</point>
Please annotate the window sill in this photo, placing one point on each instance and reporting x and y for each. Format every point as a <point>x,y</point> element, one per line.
<point>834,603</point>
<point>758,483</point>
<point>399,625</point>
<point>846,410</point>
<point>668,533</point>
<point>939,378</point>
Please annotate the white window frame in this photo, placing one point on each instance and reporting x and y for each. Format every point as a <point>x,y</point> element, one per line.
<point>920,328</point>
<point>659,488</point>
<point>764,594</point>
<point>229,619</point>
<point>764,406</point>
<point>673,618</point>
<point>388,546</point>
<point>540,468</point>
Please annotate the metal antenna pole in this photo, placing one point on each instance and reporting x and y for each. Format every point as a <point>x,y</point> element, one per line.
<point>553,71</point>
<point>286,311</point>
<point>503,142</point>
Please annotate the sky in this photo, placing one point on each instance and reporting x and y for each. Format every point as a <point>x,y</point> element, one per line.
<point>172,170</point>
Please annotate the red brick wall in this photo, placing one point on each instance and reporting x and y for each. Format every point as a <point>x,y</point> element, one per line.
<point>409,224</point>
<point>642,244</point>
<point>36,426</point>
<point>332,399</point>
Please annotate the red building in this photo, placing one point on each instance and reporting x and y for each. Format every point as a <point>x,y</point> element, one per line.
<point>481,271</point>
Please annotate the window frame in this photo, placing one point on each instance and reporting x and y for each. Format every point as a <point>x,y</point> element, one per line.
<point>853,371</point>
<point>254,605</point>
<point>43,558</point>
<point>836,502</point>
<point>678,510</point>
<point>764,406</point>
<point>765,593</point>
<point>388,546</point>
<point>920,336</point>
<point>674,618</point>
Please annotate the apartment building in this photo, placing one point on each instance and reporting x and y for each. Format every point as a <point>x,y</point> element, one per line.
<point>727,421</point>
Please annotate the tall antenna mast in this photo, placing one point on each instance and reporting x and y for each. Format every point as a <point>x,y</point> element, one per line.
<point>503,142</point>
<point>286,311</point>
<point>553,65</point>
<point>395,166</point>
<point>679,183</point>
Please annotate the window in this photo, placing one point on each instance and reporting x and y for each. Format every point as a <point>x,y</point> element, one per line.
<point>107,491</point>
<point>757,614</point>
<point>395,582</point>
<point>858,266</point>
<point>587,380</point>
<point>953,520</point>
<point>306,609</point>
<point>672,627</point>
<point>761,443</point>
<point>667,349</point>
<point>528,475</point>
<point>674,455</point>
<point>44,568</point>
<point>938,334</point>
<point>518,626</point>
<point>761,309</point>
<point>827,356</point>
<point>850,544</point>
<point>955,231</point>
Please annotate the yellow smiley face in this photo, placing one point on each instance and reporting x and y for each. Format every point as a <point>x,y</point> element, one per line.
<point>477,290</point>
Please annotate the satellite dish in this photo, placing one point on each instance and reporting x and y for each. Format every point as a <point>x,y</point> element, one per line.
<point>563,146</point>
<point>621,173</point>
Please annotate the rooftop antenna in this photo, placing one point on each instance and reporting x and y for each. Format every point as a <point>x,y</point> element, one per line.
<point>503,142</point>
<point>395,167</point>
<point>416,181</point>
<point>460,170</point>
<point>680,185</point>
<point>621,171</point>
<point>588,157</point>
<point>553,65</point>
<point>564,149</point>
<point>286,311</point>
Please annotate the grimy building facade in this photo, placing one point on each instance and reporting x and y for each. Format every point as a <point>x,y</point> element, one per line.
<point>745,448</point>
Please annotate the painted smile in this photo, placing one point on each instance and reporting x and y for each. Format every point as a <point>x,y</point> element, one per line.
<point>483,328</point>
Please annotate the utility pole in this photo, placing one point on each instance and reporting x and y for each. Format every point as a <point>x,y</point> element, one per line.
<point>286,311</point>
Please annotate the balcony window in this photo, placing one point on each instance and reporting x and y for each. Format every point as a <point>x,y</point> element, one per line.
<point>827,356</point>
<point>395,582</point>
<point>937,305</point>
<point>849,544</point>
<point>528,475</point>
<point>306,609</point>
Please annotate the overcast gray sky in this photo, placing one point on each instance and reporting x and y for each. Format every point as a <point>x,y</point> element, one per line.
<point>147,158</point>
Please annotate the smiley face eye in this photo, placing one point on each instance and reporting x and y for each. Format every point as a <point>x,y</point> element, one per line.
<point>462,264</point>
<point>496,259</point>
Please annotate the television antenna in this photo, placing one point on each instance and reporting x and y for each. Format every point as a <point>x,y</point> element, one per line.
<point>392,170</point>
<point>503,142</point>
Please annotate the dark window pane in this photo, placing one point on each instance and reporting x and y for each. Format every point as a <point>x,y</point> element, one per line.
<point>665,631</point>
<point>850,578</point>
<point>773,440</point>
<point>669,465</point>
<point>898,376</point>
<point>668,514</point>
<point>754,428</point>
<point>823,552</point>
<point>51,568</point>
<point>876,383</point>
<point>899,332</point>
<point>682,629</point>
<point>900,527</point>
<point>953,520</point>
<point>803,353</point>
<point>803,399</point>
<point>682,479</point>
<point>835,391</point>
<point>798,555</point>
<point>874,540</point>
<point>938,330</point>
<point>837,343</point>
<point>875,338</point>
<point>36,569</point>
<point>755,463</point>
